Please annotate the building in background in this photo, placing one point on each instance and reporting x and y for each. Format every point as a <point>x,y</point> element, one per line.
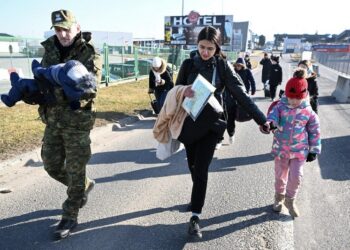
<point>241,35</point>
<point>8,44</point>
<point>115,40</point>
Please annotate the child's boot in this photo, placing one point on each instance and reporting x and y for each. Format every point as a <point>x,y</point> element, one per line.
<point>292,208</point>
<point>279,199</point>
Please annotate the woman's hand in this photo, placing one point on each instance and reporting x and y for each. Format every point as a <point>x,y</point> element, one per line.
<point>189,92</point>
<point>265,129</point>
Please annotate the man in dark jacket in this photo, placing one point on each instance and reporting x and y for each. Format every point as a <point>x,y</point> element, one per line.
<point>266,66</point>
<point>66,143</point>
<point>275,77</point>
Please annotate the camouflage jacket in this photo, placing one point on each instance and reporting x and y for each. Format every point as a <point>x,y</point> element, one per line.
<point>60,114</point>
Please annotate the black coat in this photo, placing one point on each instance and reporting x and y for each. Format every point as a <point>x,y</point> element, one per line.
<point>312,86</point>
<point>275,75</point>
<point>166,76</point>
<point>266,64</point>
<point>248,80</point>
<point>227,78</point>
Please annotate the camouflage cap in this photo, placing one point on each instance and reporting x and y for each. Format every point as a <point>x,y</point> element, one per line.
<point>62,18</point>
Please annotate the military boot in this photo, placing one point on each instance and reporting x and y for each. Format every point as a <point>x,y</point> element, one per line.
<point>90,185</point>
<point>64,228</point>
<point>194,229</point>
<point>279,199</point>
<point>292,208</point>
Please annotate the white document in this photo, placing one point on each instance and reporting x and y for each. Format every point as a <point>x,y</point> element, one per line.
<point>202,92</point>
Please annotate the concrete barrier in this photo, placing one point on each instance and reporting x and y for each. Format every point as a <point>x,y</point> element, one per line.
<point>342,91</point>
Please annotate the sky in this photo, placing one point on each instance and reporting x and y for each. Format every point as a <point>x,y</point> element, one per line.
<point>145,18</point>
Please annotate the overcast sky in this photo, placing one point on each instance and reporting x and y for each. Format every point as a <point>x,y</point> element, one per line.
<point>145,18</point>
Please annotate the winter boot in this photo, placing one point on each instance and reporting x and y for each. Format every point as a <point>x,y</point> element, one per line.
<point>292,208</point>
<point>64,228</point>
<point>279,199</point>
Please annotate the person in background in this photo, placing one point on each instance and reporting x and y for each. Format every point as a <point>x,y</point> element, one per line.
<point>296,141</point>
<point>200,136</point>
<point>275,76</point>
<point>312,83</point>
<point>160,80</point>
<point>66,143</point>
<point>230,102</point>
<point>248,64</point>
<point>266,67</point>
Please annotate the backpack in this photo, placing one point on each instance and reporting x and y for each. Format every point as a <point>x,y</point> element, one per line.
<point>273,104</point>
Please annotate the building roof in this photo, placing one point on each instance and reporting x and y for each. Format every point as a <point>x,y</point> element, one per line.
<point>344,36</point>
<point>314,38</point>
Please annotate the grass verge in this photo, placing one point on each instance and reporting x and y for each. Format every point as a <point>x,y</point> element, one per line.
<point>21,128</point>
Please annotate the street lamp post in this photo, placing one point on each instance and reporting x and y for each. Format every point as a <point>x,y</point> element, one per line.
<point>182,13</point>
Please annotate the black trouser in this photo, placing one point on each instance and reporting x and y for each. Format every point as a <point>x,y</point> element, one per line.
<point>273,88</point>
<point>199,157</point>
<point>200,138</point>
<point>314,103</point>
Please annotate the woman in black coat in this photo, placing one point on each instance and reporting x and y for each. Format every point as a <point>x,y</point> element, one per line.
<point>160,80</point>
<point>200,136</point>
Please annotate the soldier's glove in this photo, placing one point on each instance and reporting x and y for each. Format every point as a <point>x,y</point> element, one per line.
<point>311,157</point>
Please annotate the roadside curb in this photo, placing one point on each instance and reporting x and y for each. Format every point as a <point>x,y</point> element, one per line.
<point>34,157</point>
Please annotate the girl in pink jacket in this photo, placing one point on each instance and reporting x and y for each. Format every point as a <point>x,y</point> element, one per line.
<point>296,140</point>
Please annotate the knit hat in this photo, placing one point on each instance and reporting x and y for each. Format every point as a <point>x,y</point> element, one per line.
<point>240,61</point>
<point>296,87</point>
<point>157,62</point>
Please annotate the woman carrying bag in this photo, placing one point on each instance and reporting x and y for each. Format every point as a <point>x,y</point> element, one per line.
<point>201,136</point>
<point>160,82</point>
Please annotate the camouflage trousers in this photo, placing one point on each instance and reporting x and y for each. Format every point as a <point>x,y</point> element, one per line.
<point>65,153</point>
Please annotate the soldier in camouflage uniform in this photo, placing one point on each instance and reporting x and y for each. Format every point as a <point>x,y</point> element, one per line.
<point>66,143</point>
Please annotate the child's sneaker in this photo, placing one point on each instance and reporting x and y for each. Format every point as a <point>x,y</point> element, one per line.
<point>292,208</point>
<point>279,199</point>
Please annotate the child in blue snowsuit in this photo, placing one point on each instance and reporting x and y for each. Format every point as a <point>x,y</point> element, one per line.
<point>76,81</point>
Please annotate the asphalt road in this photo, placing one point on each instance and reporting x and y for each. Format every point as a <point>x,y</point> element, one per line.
<point>139,202</point>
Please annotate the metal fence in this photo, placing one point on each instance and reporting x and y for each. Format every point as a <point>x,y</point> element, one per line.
<point>123,62</point>
<point>339,61</point>
<point>136,62</point>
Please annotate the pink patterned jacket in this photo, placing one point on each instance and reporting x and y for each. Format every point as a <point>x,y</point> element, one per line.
<point>298,130</point>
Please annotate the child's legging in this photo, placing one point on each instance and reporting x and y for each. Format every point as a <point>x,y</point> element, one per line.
<point>288,175</point>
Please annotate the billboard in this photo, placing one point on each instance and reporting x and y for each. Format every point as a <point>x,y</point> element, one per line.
<point>183,30</point>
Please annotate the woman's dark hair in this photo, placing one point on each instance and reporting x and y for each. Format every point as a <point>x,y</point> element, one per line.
<point>213,35</point>
<point>304,62</point>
